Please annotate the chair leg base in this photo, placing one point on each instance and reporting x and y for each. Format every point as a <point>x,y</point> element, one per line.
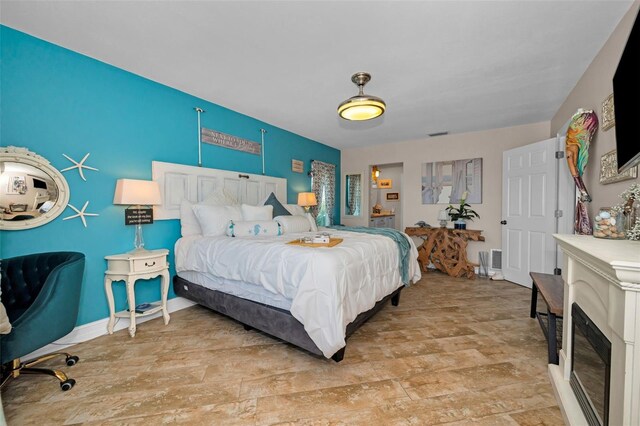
<point>13,369</point>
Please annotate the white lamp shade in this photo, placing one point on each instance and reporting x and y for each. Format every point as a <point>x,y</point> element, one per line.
<point>132,192</point>
<point>443,215</point>
<point>306,199</point>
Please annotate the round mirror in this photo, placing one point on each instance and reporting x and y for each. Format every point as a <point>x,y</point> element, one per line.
<point>32,192</point>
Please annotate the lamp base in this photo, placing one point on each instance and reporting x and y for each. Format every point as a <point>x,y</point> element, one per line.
<point>138,241</point>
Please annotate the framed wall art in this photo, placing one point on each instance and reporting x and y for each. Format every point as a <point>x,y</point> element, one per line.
<point>609,170</point>
<point>393,196</point>
<point>445,182</point>
<point>385,183</point>
<point>608,116</point>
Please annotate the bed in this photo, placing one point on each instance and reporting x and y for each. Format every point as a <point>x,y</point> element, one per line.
<point>312,297</point>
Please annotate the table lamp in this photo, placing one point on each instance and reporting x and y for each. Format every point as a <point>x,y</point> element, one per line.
<point>306,200</point>
<point>443,217</point>
<point>137,193</point>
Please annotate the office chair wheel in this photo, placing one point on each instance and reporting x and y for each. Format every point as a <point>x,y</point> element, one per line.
<point>67,384</point>
<point>72,360</point>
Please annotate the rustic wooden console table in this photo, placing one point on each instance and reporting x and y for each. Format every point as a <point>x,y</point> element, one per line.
<point>446,249</point>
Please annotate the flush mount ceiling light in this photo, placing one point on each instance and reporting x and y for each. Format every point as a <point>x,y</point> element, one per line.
<point>361,107</point>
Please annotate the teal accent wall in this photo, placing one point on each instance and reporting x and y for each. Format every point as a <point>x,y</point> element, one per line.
<point>55,101</point>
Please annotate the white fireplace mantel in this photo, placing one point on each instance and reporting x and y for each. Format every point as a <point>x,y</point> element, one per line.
<point>603,277</point>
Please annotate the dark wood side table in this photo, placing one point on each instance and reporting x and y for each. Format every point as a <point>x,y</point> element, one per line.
<point>446,249</point>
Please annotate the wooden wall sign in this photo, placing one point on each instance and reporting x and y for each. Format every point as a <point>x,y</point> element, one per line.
<point>138,216</point>
<point>213,137</point>
<point>297,166</point>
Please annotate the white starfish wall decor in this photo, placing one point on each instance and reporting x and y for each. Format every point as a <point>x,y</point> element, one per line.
<point>80,213</point>
<point>79,165</point>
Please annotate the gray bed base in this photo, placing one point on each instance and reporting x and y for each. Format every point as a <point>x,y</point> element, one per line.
<point>276,322</point>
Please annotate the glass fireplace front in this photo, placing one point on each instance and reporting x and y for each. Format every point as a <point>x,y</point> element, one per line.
<point>590,368</point>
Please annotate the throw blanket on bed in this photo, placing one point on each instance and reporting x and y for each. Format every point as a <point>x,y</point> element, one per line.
<point>404,248</point>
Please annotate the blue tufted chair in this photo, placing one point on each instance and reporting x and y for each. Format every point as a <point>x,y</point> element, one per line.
<point>41,293</point>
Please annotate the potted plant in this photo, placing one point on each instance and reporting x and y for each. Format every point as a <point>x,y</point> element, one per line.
<point>462,213</point>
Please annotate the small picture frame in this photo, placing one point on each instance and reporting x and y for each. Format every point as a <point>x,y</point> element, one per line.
<point>608,113</point>
<point>393,196</point>
<point>385,183</point>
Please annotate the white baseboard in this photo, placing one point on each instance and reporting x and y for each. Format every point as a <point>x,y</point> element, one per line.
<point>85,332</point>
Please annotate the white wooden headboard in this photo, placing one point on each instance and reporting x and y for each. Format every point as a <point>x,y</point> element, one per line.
<point>178,182</point>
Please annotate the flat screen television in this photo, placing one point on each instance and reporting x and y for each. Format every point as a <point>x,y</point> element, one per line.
<point>626,102</point>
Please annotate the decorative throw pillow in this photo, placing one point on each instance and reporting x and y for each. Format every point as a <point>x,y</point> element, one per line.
<point>258,228</point>
<point>251,213</point>
<point>220,197</point>
<point>278,208</point>
<point>214,219</point>
<point>295,209</point>
<point>292,224</point>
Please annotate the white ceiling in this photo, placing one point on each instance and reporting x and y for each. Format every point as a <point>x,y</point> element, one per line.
<point>448,65</point>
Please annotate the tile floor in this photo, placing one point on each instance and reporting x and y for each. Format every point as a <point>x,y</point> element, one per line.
<point>455,351</point>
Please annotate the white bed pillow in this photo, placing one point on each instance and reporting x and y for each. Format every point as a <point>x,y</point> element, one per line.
<point>295,209</point>
<point>253,213</point>
<point>292,224</point>
<point>188,221</point>
<point>312,222</point>
<point>214,220</point>
<point>256,228</point>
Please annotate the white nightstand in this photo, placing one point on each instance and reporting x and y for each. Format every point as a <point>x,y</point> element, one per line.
<point>130,267</point>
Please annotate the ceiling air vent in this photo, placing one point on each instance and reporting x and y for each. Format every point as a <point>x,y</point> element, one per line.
<point>433,135</point>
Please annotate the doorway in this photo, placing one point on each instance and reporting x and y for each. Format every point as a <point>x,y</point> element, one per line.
<point>385,196</point>
<point>535,188</point>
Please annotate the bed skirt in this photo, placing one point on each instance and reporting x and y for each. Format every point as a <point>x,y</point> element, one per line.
<point>276,322</point>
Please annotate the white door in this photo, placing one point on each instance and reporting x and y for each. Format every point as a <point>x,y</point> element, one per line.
<point>529,187</point>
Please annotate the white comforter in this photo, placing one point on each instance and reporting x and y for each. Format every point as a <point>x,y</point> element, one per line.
<point>328,286</point>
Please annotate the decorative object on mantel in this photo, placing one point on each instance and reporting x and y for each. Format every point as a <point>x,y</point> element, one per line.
<point>608,224</point>
<point>446,249</point>
<point>609,169</point>
<point>608,116</point>
<point>213,137</point>
<point>80,213</point>
<point>462,213</point>
<point>630,208</point>
<point>582,128</point>
<point>79,165</point>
